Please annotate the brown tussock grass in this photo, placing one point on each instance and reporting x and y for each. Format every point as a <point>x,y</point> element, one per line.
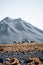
<point>22,47</point>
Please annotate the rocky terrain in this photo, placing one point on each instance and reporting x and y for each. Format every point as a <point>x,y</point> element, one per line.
<point>17,30</point>
<point>21,54</point>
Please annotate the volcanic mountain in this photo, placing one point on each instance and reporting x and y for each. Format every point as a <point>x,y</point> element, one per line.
<point>17,30</point>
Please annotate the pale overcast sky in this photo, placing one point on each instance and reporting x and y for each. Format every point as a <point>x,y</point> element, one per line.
<point>29,10</point>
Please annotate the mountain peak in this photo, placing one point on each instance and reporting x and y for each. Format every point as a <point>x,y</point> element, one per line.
<point>10,19</point>
<point>7,18</point>
<point>18,19</point>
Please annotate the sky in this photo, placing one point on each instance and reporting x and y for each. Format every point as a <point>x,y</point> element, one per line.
<point>29,10</point>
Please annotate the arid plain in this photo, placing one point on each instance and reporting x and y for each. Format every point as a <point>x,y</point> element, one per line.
<point>21,54</point>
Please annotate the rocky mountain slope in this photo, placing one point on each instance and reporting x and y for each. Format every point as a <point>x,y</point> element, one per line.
<point>17,30</point>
